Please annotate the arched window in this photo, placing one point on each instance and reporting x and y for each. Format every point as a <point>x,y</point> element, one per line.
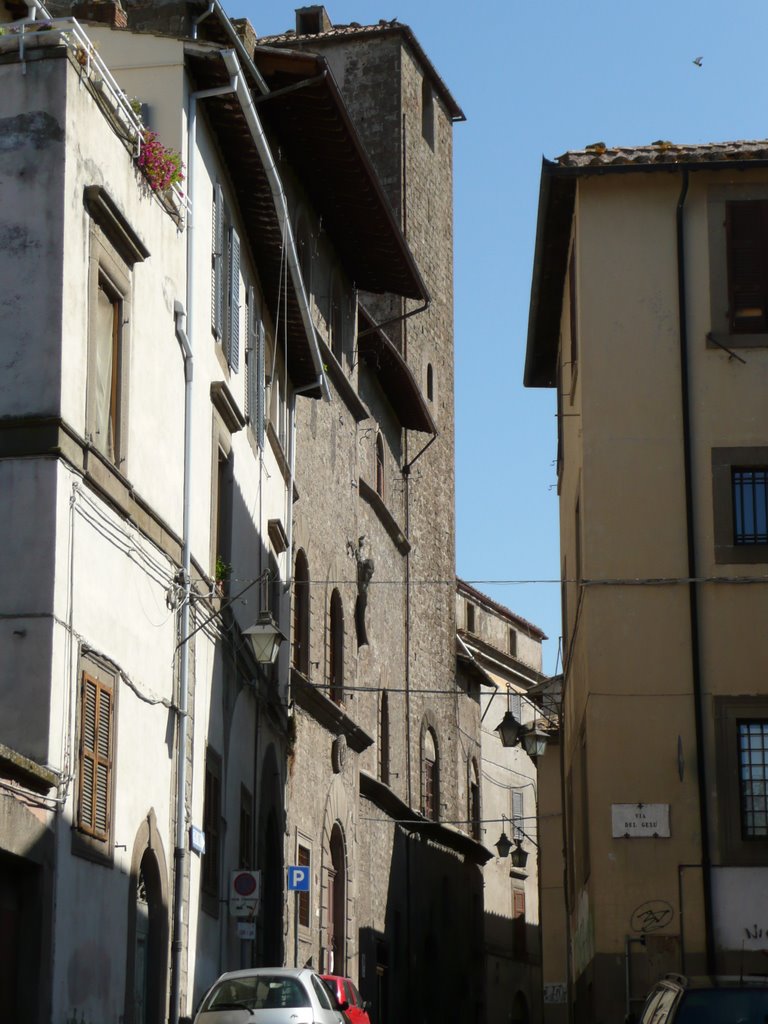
<point>301,614</point>
<point>336,649</point>
<point>384,739</point>
<point>473,800</point>
<point>430,775</point>
<point>379,466</point>
<point>430,382</point>
<point>337,899</point>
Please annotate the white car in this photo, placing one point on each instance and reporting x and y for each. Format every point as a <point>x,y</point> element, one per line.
<point>269,995</point>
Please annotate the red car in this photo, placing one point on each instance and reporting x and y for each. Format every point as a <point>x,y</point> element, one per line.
<point>346,992</point>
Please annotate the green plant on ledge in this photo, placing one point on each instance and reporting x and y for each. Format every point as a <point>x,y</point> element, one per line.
<point>223,569</point>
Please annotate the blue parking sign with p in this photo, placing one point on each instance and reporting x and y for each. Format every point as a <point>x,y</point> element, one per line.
<point>298,879</point>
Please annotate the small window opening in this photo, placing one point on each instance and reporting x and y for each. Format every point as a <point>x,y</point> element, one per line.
<point>470,617</point>
<point>430,383</point>
<point>427,113</point>
<point>379,466</point>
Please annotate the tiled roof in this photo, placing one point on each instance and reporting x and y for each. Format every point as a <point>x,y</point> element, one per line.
<point>481,598</point>
<point>354,30</point>
<point>662,152</point>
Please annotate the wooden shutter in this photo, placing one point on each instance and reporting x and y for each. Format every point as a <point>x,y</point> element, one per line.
<point>260,386</point>
<point>517,813</point>
<point>95,758</point>
<point>233,332</point>
<point>518,923</point>
<point>747,243</point>
<point>217,261</point>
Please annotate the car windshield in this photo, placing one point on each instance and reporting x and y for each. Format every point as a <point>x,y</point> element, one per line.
<point>724,1006</point>
<point>259,992</point>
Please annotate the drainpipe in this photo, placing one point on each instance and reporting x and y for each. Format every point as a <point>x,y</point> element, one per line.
<point>281,207</point>
<point>698,698</point>
<point>184,323</point>
<point>181,769</point>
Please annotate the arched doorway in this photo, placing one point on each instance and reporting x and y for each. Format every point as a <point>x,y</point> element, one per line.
<point>149,937</point>
<point>337,903</point>
<point>148,931</point>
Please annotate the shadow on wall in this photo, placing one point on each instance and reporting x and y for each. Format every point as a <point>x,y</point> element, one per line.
<point>427,965</point>
<point>247,760</point>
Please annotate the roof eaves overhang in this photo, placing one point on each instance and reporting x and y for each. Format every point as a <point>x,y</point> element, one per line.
<point>256,203</point>
<point>550,265</point>
<point>338,34</point>
<point>307,115</point>
<point>404,816</point>
<point>395,376</point>
<point>553,235</point>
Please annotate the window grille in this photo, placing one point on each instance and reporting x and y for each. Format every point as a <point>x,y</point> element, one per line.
<point>753,762</point>
<point>750,505</point>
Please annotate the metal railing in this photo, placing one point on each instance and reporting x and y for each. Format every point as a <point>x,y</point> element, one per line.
<point>34,31</point>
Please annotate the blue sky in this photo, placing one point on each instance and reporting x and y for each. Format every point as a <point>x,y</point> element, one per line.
<point>536,79</point>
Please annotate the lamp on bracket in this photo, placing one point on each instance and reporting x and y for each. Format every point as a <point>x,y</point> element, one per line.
<point>265,638</point>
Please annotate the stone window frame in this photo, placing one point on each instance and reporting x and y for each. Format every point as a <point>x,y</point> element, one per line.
<point>429,770</point>
<point>304,899</point>
<point>735,850</point>
<point>86,841</point>
<point>724,460</point>
<point>109,272</point>
<point>720,333</point>
<point>336,646</point>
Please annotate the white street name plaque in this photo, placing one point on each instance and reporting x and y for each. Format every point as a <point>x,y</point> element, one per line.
<point>640,821</point>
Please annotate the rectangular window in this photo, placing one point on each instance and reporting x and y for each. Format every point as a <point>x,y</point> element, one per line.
<point>114,249</point>
<point>225,281</point>
<point>746,223</point>
<point>750,505</point>
<point>519,943</point>
<point>107,369</point>
<point>470,617</point>
<point>255,368</point>
<point>740,504</point>
<point>518,816</point>
<point>211,859</point>
<point>753,762</point>
<point>513,642</point>
<point>96,742</point>
<point>741,752</point>
<point>303,859</point>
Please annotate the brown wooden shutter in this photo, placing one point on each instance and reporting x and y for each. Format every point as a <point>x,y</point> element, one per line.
<point>746,225</point>
<point>95,758</point>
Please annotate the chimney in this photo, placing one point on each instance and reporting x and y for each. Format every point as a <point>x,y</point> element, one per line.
<point>105,12</point>
<point>311,21</point>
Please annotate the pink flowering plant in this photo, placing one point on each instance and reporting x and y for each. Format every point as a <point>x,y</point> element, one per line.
<point>162,166</point>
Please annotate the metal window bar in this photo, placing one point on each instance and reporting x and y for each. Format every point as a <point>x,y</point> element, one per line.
<point>753,777</point>
<point>750,505</point>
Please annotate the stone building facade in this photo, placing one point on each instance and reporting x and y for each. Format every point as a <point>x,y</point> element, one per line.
<point>381,499</point>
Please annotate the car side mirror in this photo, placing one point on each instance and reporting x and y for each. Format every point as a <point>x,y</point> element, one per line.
<point>344,1006</point>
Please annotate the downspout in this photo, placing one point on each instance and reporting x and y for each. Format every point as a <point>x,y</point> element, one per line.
<point>181,770</point>
<point>184,324</point>
<point>706,862</point>
<point>281,207</point>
